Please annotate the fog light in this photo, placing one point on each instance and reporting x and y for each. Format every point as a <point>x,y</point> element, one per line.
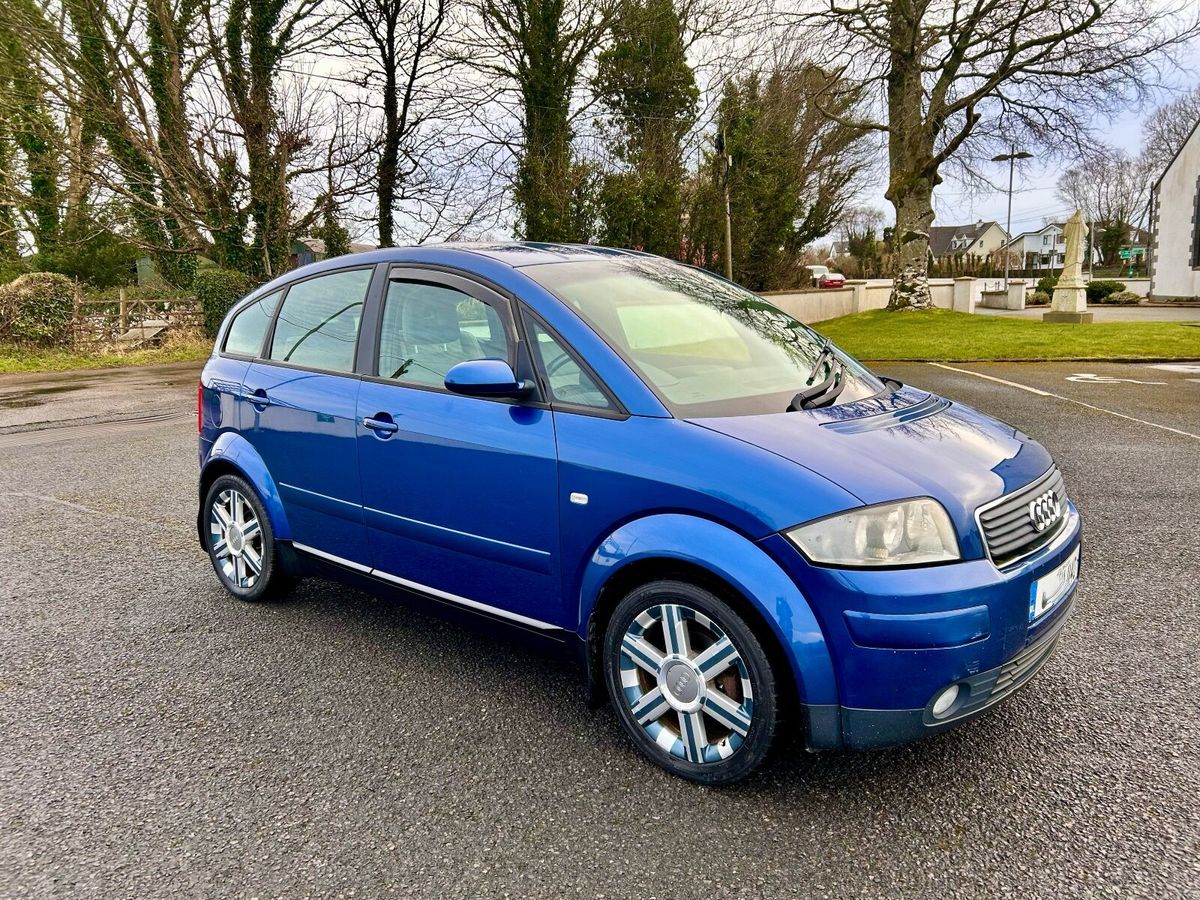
<point>944,701</point>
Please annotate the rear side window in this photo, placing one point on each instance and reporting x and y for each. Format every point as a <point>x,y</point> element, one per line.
<point>430,328</point>
<point>249,327</point>
<point>318,324</point>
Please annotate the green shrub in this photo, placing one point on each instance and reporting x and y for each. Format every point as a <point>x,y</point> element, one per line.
<point>37,309</point>
<point>12,268</point>
<point>1047,283</point>
<point>1039,298</point>
<point>1098,290</point>
<point>1120,298</point>
<point>218,290</point>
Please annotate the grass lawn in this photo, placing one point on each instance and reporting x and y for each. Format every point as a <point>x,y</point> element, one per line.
<point>940,334</point>
<point>23,359</point>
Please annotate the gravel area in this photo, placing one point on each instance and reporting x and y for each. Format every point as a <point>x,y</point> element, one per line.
<point>158,739</point>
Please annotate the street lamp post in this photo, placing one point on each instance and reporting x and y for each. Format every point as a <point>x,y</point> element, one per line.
<point>1011,157</point>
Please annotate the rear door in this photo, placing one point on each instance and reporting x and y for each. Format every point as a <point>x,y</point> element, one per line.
<point>298,410</point>
<point>459,493</point>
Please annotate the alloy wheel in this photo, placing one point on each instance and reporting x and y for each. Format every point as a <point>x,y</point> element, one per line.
<point>236,538</point>
<point>686,684</point>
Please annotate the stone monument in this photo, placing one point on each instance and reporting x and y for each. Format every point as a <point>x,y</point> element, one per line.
<point>1070,295</point>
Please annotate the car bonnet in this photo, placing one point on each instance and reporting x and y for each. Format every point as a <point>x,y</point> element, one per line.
<point>900,444</point>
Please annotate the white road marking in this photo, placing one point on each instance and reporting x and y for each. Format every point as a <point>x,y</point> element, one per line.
<point>1186,368</point>
<point>1041,393</point>
<point>1106,379</point>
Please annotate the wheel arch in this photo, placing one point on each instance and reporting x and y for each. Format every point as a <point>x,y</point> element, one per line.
<point>714,557</point>
<point>232,454</point>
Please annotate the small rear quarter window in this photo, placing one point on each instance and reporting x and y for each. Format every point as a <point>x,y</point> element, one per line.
<point>249,327</point>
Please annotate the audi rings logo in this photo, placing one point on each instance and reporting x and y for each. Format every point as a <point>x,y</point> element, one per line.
<point>1045,510</point>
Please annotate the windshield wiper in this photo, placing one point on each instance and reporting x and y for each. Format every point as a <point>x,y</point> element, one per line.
<point>826,351</point>
<point>824,393</point>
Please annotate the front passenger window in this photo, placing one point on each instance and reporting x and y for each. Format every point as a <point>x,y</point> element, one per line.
<point>430,328</point>
<point>569,383</point>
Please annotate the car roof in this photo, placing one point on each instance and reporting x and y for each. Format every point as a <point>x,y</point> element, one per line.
<point>488,258</point>
<point>511,253</point>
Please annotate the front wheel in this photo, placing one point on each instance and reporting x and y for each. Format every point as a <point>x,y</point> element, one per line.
<point>240,542</point>
<point>690,681</point>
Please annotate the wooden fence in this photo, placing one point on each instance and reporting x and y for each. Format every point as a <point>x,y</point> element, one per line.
<point>129,319</point>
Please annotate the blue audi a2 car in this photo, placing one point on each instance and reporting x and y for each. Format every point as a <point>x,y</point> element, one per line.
<point>728,517</point>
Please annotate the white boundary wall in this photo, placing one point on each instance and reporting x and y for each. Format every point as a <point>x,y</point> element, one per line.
<point>816,306</point>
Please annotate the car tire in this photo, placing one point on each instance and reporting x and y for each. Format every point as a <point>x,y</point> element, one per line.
<point>241,543</point>
<point>700,700</point>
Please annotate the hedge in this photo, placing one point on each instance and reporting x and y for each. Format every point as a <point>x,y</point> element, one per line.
<point>36,309</point>
<point>1097,291</point>
<point>218,290</point>
<point>1121,298</point>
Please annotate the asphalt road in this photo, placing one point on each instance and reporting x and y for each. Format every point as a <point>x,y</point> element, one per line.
<point>158,739</point>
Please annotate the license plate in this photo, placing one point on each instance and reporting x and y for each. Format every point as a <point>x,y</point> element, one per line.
<point>1047,591</point>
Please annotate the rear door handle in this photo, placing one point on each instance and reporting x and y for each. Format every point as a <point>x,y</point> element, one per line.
<point>259,398</point>
<point>381,424</point>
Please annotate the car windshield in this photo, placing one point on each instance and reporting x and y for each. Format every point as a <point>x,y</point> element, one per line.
<point>706,346</point>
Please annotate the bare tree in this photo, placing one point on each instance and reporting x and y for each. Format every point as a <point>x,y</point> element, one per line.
<point>961,78</point>
<point>1113,190</point>
<point>860,227</point>
<point>537,49</point>
<point>399,66</point>
<point>1168,127</point>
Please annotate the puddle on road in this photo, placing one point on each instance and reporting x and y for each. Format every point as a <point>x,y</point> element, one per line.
<point>27,399</point>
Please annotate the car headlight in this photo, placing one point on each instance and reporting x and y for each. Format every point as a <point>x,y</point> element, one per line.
<point>908,533</point>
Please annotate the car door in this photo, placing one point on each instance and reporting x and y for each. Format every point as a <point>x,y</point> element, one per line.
<point>459,493</point>
<point>298,411</point>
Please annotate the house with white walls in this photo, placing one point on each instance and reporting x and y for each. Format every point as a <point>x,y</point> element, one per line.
<point>1175,224</point>
<point>1040,249</point>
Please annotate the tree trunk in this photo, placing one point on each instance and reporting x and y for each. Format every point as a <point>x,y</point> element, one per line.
<point>914,216</point>
<point>389,158</point>
<point>910,159</point>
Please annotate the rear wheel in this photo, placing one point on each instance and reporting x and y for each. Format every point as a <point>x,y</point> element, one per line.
<point>690,682</point>
<point>240,542</point>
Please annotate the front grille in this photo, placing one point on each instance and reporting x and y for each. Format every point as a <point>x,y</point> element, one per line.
<point>1008,529</point>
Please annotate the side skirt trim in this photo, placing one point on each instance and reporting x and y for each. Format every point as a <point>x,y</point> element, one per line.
<point>425,589</point>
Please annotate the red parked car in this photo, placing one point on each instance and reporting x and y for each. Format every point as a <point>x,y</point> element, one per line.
<point>832,280</point>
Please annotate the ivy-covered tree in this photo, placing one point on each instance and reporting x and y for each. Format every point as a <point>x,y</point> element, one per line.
<point>793,172</point>
<point>30,132</point>
<point>332,231</point>
<point>255,39</point>
<point>538,48</point>
<point>644,80</point>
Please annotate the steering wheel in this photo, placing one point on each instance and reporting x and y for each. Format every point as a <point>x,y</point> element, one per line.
<point>552,367</point>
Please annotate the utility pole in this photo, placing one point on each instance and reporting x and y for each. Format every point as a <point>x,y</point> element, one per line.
<point>1011,157</point>
<point>727,159</point>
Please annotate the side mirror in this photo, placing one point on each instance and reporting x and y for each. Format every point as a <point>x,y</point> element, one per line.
<point>485,378</point>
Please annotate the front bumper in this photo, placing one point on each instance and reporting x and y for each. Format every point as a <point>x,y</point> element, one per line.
<point>898,637</point>
<point>865,729</point>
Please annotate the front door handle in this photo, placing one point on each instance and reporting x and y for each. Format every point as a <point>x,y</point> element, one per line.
<point>382,424</point>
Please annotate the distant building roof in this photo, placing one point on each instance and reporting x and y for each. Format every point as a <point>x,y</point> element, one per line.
<point>317,245</point>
